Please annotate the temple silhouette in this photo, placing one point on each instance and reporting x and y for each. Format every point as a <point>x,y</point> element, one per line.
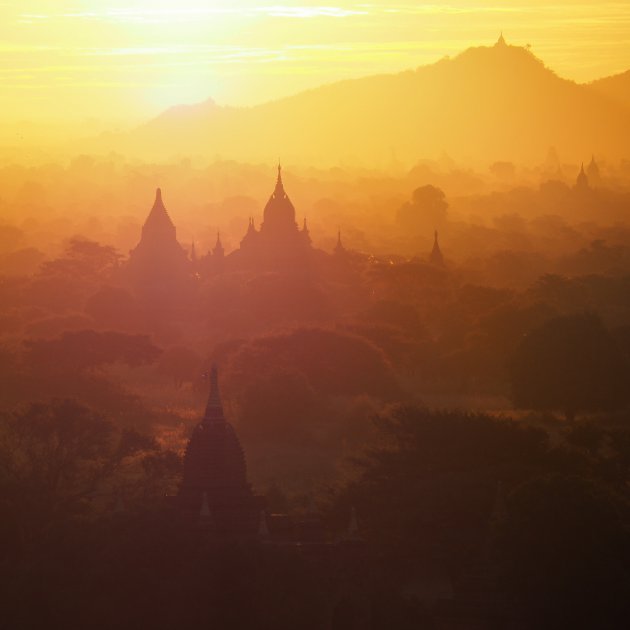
<point>161,270</point>
<point>214,492</point>
<point>159,266</point>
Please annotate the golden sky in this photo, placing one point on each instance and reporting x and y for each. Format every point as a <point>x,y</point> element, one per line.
<point>129,59</point>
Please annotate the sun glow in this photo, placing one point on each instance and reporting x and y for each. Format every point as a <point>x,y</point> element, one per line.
<point>110,58</point>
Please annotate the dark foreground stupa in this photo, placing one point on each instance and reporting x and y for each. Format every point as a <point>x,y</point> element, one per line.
<point>214,492</point>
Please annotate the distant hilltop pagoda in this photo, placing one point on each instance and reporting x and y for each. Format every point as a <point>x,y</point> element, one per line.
<point>279,243</point>
<point>159,265</point>
<point>214,492</point>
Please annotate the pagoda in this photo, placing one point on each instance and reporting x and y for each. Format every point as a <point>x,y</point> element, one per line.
<point>159,265</point>
<point>279,243</point>
<point>214,493</point>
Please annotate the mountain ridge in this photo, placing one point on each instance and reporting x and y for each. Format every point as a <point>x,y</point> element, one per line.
<point>486,103</point>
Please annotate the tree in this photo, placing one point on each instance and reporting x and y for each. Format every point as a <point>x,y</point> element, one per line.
<point>113,308</point>
<point>89,349</point>
<point>59,459</point>
<point>427,488</point>
<point>64,283</point>
<point>426,211</point>
<point>571,364</point>
<point>83,259</point>
<point>180,365</point>
<point>565,548</point>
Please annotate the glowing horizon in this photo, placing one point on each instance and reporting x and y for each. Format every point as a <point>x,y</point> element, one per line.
<point>129,60</point>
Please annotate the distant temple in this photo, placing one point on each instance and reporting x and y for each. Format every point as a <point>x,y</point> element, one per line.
<point>159,265</point>
<point>279,241</point>
<point>593,173</point>
<point>214,492</point>
<point>581,183</point>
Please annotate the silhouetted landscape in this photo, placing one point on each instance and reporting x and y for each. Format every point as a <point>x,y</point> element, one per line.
<point>381,383</point>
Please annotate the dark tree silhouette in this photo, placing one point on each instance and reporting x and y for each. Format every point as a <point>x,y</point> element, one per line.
<point>565,549</point>
<point>426,210</point>
<point>571,364</point>
<point>180,365</point>
<point>83,258</point>
<point>60,459</point>
<point>90,349</point>
<point>429,485</point>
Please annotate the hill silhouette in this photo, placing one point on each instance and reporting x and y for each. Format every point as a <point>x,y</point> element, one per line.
<point>487,103</point>
<point>616,87</point>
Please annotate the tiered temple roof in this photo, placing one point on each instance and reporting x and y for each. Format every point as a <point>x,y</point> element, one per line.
<point>214,490</point>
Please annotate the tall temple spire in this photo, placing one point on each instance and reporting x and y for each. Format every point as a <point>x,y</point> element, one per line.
<point>339,249</point>
<point>158,220</point>
<point>214,408</point>
<point>592,172</point>
<point>193,252</point>
<point>582,179</point>
<point>436,257</point>
<point>214,492</point>
<point>218,248</point>
<point>279,191</point>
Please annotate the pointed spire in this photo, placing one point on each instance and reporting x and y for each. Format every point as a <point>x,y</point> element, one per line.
<point>501,40</point>
<point>218,248</point>
<point>193,252</point>
<point>279,190</point>
<point>214,408</point>
<point>436,257</point>
<point>158,204</point>
<point>582,179</point>
<point>339,248</point>
<point>592,172</point>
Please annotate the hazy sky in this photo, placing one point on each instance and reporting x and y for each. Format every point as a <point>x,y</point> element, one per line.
<point>128,59</point>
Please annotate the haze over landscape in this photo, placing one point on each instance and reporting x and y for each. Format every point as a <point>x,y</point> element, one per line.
<point>315,316</point>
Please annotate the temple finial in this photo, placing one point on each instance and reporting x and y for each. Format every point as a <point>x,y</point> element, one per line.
<point>339,249</point>
<point>214,408</point>
<point>436,257</point>
<point>279,186</point>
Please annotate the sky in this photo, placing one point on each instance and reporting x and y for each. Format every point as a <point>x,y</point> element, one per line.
<point>125,61</point>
